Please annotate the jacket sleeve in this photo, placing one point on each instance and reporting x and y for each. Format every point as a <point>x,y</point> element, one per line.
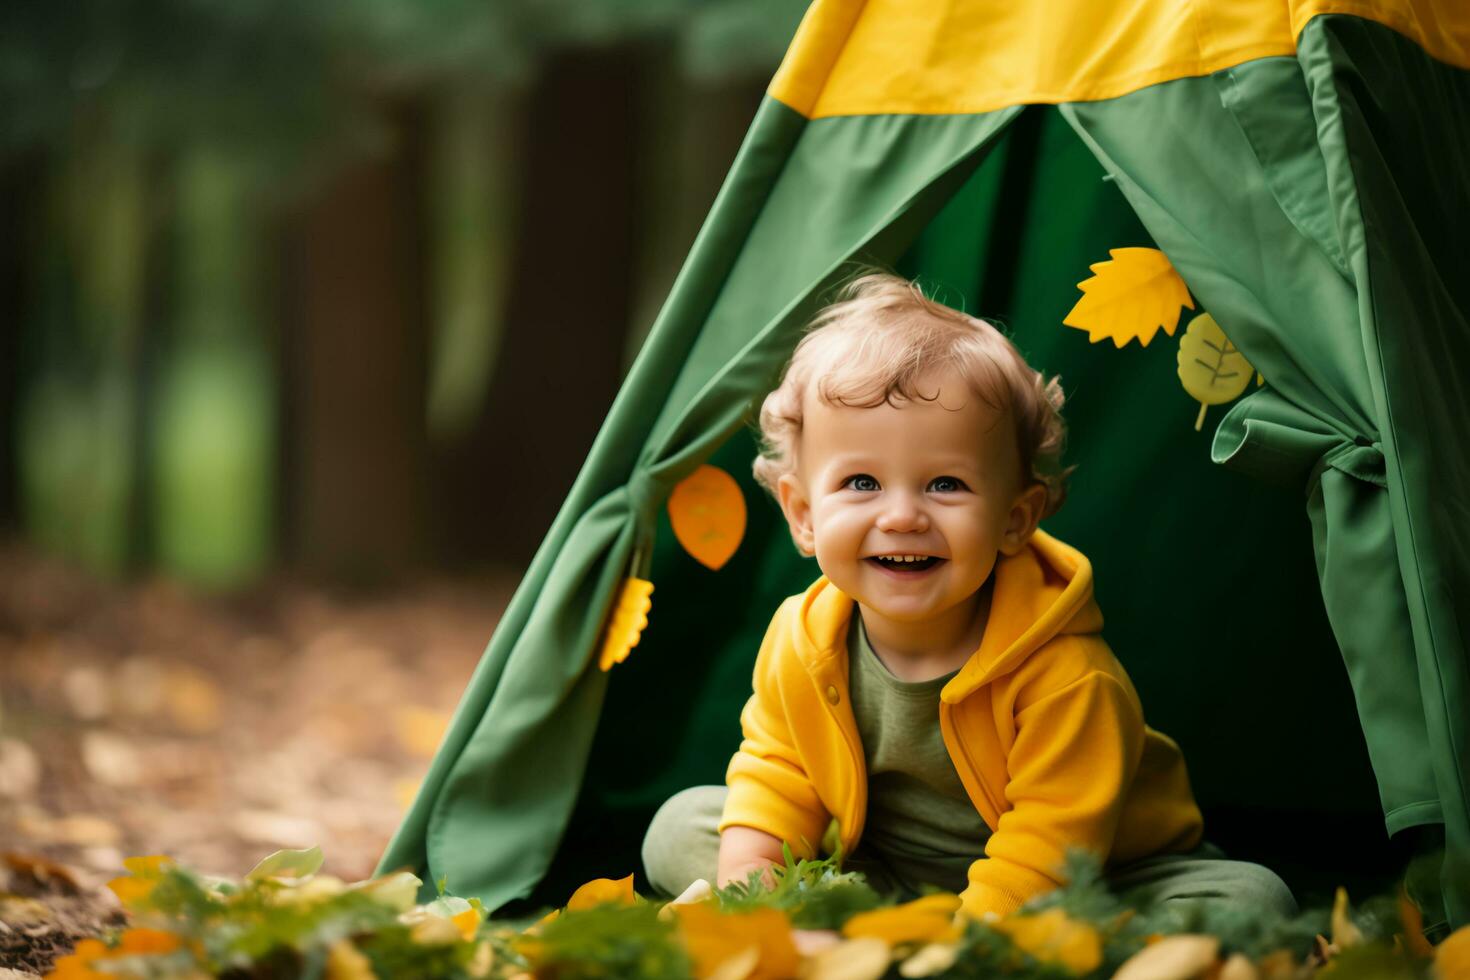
<point>1076,750</point>
<point>769,788</point>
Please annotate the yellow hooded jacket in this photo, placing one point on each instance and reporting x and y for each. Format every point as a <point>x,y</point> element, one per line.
<point>1042,723</point>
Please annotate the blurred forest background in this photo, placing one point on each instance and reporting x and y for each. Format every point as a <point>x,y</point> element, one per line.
<point>311,312</point>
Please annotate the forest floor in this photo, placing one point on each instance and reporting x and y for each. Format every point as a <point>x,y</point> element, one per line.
<point>144,718</point>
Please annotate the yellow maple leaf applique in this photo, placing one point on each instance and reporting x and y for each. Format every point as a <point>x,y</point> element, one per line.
<point>1130,297</point>
<point>1211,368</point>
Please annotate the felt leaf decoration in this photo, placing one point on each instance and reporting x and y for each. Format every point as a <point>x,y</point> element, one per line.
<point>1211,368</point>
<point>625,625</point>
<point>707,510</point>
<point>1130,297</point>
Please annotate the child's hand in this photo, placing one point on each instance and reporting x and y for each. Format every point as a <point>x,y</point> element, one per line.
<point>745,849</point>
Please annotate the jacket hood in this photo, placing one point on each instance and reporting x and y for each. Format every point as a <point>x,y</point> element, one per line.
<point>1042,592</point>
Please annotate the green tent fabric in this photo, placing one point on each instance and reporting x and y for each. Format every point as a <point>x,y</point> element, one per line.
<point>1302,200</point>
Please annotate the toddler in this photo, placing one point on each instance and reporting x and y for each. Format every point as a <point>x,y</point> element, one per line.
<point>942,691</point>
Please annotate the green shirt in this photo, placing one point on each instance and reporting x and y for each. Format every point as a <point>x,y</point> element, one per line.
<point>921,827</point>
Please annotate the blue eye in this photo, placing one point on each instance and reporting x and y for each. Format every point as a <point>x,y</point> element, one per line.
<point>947,484</point>
<point>862,482</point>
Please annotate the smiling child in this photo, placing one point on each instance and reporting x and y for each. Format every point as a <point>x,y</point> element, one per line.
<point>942,691</point>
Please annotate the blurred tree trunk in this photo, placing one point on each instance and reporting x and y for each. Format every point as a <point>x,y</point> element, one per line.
<point>567,312</point>
<point>21,185</point>
<point>355,349</point>
<point>212,425</point>
<point>77,428</point>
<point>693,132</point>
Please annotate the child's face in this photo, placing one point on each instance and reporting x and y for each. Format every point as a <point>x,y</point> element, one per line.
<point>938,479</point>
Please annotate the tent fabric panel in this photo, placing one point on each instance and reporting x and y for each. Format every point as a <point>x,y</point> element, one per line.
<point>868,57</point>
<point>1396,137</point>
<point>1284,303</point>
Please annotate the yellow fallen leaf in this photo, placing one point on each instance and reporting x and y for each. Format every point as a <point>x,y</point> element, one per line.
<point>626,622</point>
<point>1171,958</point>
<point>346,962</point>
<point>932,959</point>
<point>1238,967</point>
<point>865,958</point>
<point>132,892</point>
<point>468,923</point>
<point>1130,297</point>
<point>148,865</point>
<point>924,920</point>
<point>140,941</point>
<point>1413,920</point>
<point>1211,368</point>
<point>1052,937</point>
<point>193,700</point>
<point>420,730</point>
<point>1452,955</point>
<point>712,939</point>
<point>739,966</point>
<point>600,891</point>
<point>707,511</point>
<point>1344,933</point>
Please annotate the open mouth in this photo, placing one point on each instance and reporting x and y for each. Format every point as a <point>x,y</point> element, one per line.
<point>905,564</point>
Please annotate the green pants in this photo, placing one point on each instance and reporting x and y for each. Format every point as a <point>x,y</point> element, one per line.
<point>683,844</point>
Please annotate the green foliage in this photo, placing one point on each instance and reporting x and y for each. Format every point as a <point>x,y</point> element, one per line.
<point>815,894</point>
<point>611,941</point>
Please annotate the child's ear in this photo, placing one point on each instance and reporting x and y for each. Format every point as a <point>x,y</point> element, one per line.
<point>1025,514</point>
<point>798,510</point>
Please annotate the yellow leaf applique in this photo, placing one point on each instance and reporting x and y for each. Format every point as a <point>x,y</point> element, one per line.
<point>1130,297</point>
<point>626,623</point>
<point>707,511</point>
<point>1211,368</point>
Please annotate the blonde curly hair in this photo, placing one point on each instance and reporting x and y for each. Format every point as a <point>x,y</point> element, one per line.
<point>877,341</point>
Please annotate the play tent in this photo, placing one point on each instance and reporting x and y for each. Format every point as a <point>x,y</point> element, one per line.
<point>1305,167</point>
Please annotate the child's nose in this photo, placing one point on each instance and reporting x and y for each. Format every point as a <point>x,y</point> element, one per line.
<point>902,513</point>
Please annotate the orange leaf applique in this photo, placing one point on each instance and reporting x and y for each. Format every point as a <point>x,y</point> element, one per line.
<point>707,510</point>
<point>625,625</point>
<point>1130,297</point>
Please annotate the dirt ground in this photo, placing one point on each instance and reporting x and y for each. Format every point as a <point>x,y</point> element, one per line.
<point>145,719</point>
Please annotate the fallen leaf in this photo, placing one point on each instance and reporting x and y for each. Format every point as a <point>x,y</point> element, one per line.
<point>924,920</point>
<point>866,958</point>
<point>1345,934</point>
<point>1053,937</point>
<point>193,700</point>
<point>112,760</point>
<point>42,872</point>
<point>1238,967</point>
<point>20,769</point>
<point>931,959</point>
<point>346,962</point>
<point>420,730</point>
<point>287,864</point>
<point>1452,955</point>
<point>1171,958</point>
<point>600,891</point>
<point>712,938</point>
